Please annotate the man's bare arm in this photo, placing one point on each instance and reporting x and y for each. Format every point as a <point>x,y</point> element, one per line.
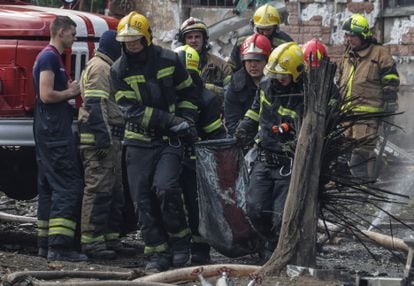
<point>49,95</point>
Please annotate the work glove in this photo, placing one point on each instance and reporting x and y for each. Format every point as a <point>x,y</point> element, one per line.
<point>184,129</point>
<point>180,128</point>
<point>174,121</point>
<point>101,153</point>
<point>241,137</point>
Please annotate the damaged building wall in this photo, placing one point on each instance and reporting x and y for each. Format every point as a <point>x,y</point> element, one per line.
<point>304,20</point>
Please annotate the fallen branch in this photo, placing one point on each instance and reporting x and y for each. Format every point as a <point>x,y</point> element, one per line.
<point>190,273</point>
<point>16,218</point>
<point>98,283</point>
<point>50,275</point>
<point>331,231</point>
<point>383,240</point>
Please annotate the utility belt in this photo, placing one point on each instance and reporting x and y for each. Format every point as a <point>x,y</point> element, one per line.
<point>276,160</point>
<point>117,131</point>
<point>189,151</point>
<point>273,158</point>
<point>137,128</point>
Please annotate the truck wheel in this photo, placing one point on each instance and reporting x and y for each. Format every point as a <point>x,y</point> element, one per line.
<point>18,171</point>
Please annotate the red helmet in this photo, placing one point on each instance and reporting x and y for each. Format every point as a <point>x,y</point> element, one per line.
<point>314,51</point>
<point>255,47</point>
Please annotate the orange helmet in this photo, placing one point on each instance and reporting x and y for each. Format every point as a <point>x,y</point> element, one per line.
<point>255,47</point>
<point>313,52</point>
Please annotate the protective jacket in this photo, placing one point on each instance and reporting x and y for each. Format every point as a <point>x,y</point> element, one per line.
<point>210,124</point>
<point>368,78</point>
<point>238,99</point>
<point>274,105</point>
<point>278,38</point>
<point>215,72</point>
<point>100,116</point>
<point>151,94</point>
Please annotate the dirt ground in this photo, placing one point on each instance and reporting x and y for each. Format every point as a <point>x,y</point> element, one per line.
<point>337,264</point>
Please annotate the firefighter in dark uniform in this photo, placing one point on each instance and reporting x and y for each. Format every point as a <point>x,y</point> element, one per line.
<point>60,181</point>
<point>209,126</point>
<point>244,83</point>
<point>275,117</point>
<point>160,105</point>
<point>101,127</point>
<point>266,21</point>
<point>215,72</point>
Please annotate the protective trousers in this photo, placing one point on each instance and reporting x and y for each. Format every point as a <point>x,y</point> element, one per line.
<point>153,177</point>
<point>188,182</point>
<point>265,199</point>
<point>363,158</point>
<point>103,198</point>
<point>60,187</point>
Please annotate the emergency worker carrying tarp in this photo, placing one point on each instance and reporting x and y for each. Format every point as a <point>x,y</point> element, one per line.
<point>209,126</point>
<point>274,120</point>
<point>160,104</point>
<point>222,180</point>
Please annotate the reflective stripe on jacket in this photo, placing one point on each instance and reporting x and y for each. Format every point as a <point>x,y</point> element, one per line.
<point>151,92</point>
<point>366,77</point>
<point>273,106</point>
<point>238,99</point>
<point>99,111</point>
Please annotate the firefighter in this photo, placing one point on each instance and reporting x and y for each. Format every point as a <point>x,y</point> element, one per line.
<point>209,126</point>
<point>60,183</point>
<point>160,106</point>
<point>275,116</point>
<point>314,51</point>
<point>101,127</point>
<point>368,82</point>
<point>215,72</point>
<point>244,83</point>
<point>266,21</point>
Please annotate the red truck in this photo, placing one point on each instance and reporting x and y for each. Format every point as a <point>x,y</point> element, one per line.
<point>24,31</point>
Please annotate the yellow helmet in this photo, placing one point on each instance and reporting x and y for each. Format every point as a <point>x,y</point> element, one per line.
<point>133,27</point>
<point>357,25</point>
<point>189,57</point>
<point>266,16</point>
<point>285,59</point>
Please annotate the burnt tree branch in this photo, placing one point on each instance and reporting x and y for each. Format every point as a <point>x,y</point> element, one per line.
<point>297,240</point>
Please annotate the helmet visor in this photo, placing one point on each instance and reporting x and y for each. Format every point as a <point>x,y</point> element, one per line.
<point>279,72</point>
<point>254,57</point>
<point>128,34</point>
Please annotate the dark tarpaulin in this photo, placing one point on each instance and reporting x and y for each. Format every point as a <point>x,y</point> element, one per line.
<point>222,181</point>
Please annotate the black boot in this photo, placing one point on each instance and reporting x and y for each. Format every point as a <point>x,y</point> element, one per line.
<point>200,254</point>
<point>98,250</point>
<point>60,254</point>
<point>180,248</point>
<point>101,254</point>
<point>158,262</point>
<point>119,248</point>
<point>180,257</point>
